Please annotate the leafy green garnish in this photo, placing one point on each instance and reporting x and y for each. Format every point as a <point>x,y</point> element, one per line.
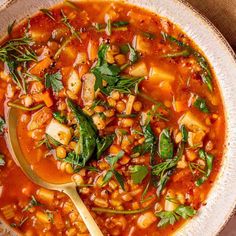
<point>87,140</point>
<point>57,115</point>
<point>164,170</point>
<point>49,142</point>
<point>112,160</point>
<point>208,158</point>
<point>14,53</point>
<point>110,73</point>
<point>149,144</point>
<point>138,173</point>
<point>184,133</point>
<point>149,35</point>
<point>171,217</point>
<point>2,125</point>
<point>200,104</point>
<point>10,27</point>
<point>2,160</point>
<point>166,146</point>
<point>205,74</point>
<point>54,81</point>
<point>47,13</point>
<point>103,144</point>
<point>133,55</point>
<point>120,23</point>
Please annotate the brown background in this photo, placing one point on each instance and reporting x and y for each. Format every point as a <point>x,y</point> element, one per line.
<point>223,14</point>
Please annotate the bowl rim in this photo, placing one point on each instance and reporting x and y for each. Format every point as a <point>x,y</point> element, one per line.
<point>221,42</point>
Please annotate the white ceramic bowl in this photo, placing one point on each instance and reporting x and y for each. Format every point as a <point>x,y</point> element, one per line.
<point>222,198</point>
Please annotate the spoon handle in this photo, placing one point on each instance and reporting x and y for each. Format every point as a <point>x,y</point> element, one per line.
<point>83,211</point>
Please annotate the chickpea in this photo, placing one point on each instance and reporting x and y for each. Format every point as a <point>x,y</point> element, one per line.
<point>109,113</point>
<point>28,101</point>
<point>78,179</point>
<point>145,220</point>
<point>111,102</point>
<point>69,168</point>
<point>127,122</point>
<point>61,152</point>
<point>115,95</point>
<point>137,106</point>
<point>99,109</point>
<point>72,145</point>
<point>120,59</point>
<point>120,106</point>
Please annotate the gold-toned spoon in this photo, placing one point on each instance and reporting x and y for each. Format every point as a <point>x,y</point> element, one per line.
<point>67,188</point>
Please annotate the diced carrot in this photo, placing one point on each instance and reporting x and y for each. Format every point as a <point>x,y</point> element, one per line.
<point>47,99</point>
<point>114,149</point>
<point>179,106</point>
<point>124,160</point>
<point>58,222</point>
<point>40,66</point>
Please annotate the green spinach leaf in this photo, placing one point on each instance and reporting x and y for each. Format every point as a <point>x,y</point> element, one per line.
<point>54,81</point>
<point>166,146</point>
<point>138,173</point>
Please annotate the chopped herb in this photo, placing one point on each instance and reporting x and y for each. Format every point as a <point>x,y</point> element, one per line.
<point>133,55</point>
<point>138,173</point>
<point>184,53</point>
<point>10,27</point>
<point>171,217</point>
<point>120,23</point>
<point>21,107</point>
<point>126,116</point>
<point>184,133</point>
<point>71,4</point>
<point>206,74</point>
<point>2,125</point>
<point>14,53</point>
<point>87,140</point>
<point>47,13</point>
<point>66,22</point>
<point>50,216</point>
<point>166,146</point>
<point>145,191</point>
<point>57,115</point>
<point>22,221</point>
<point>112,160</point>
<point>122,212</point>
<point>103,144</point>
<point>2,160</point>
<point>164,170</point>
<point>208,158</point>
<point>149,35</point>
<point>200,104</point>
<point>33,202</point>
<point>54,81</point>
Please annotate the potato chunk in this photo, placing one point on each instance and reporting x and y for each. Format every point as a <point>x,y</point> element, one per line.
<point>61,133</point>
<point>74,82</point>
<point>39,118</point>
<point>139,70</point>
<point>141,44</point>
<point>192,122</point>
<point>158,74</point>
<point>88,93</point>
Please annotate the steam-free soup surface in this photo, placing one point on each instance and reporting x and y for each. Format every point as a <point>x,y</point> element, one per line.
<point>121,102</point>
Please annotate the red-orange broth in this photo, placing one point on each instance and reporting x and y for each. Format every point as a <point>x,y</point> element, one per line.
<point>173,112</point>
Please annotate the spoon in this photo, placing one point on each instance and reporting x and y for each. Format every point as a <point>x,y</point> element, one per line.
<point>67,188</point>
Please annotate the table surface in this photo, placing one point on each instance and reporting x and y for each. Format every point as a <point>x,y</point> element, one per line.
<point>222,13</point>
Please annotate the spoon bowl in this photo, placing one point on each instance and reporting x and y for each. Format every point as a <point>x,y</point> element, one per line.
<point>68,188</point>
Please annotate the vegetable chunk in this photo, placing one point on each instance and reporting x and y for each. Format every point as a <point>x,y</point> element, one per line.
<point>61,133</point>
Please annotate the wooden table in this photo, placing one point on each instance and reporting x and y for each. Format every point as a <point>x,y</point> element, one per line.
<point>223,14</point>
